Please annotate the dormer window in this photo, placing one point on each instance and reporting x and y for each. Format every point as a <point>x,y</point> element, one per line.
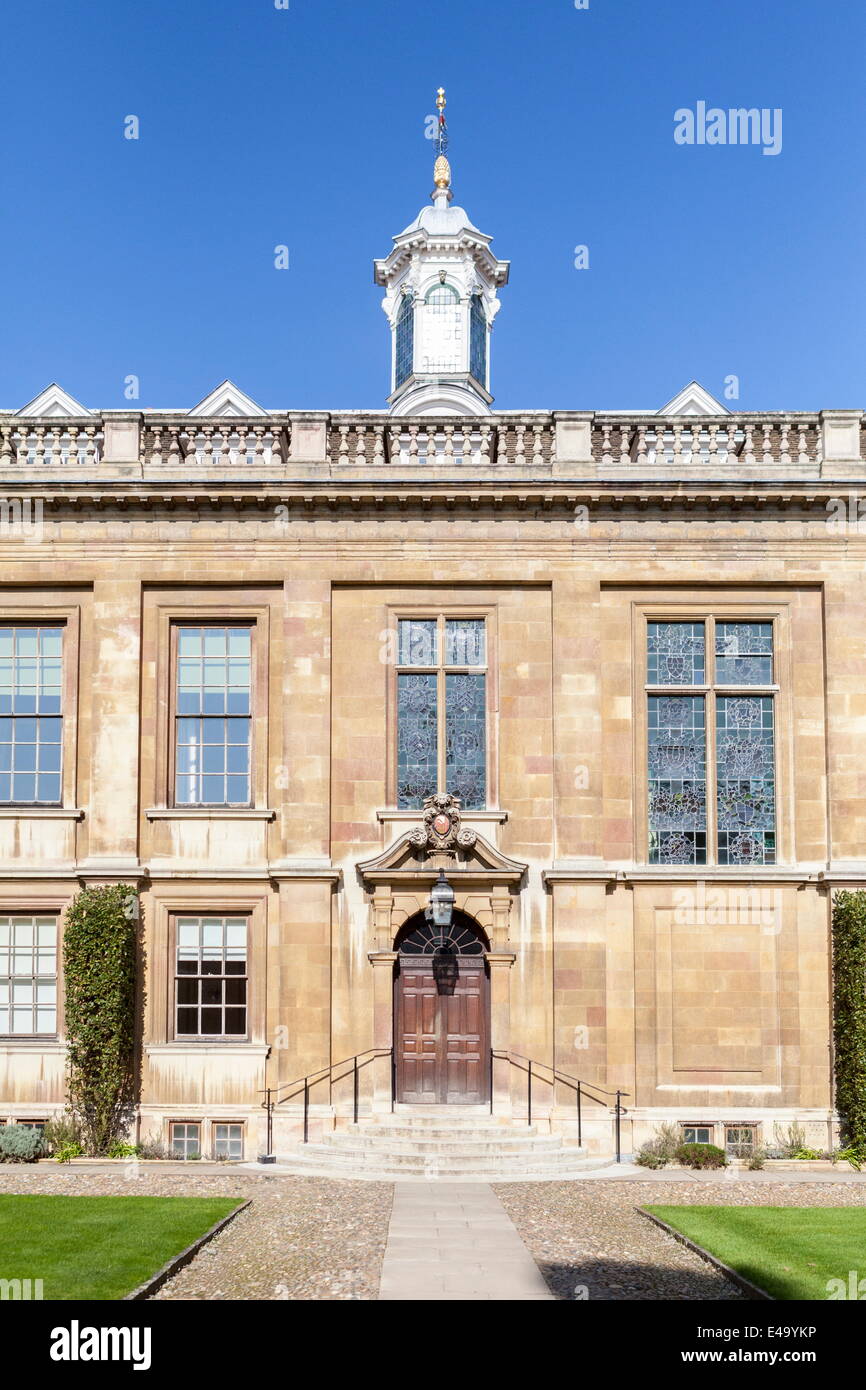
<point>478,340</point>
<point>405,341</point>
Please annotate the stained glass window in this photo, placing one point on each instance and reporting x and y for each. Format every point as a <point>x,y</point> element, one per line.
<point>478,340</point>
<point>744,653</point>
<point>675,654</point>
<point>213,716</point>
<point>442,710</point>
<point>724,813</point>
<point>31,718</point>
<point>677,779</point>
<point>746,790</point>
<point>405,341</point>
<point>465,739</point>
<point>417,738</point>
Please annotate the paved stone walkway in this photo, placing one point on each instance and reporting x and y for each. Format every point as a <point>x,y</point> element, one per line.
<point>455,1241</point>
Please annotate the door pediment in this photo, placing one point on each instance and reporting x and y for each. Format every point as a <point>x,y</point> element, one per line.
<point>407,859</point>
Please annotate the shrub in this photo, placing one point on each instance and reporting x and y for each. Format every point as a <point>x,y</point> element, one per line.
<point>662,1148</point>
<point>151,1146</point>
<point>849,1015</point>
<point>854,1154</point>
<point>757,1158</point>
<point>121,1150</point>
<point>60,1132</point>
<point>700,1156</point>
<point>807,1153</point>
<point>66,1152</point>
<point>789,1141</point>
<point>18,1144</point>
<point>99,957</point>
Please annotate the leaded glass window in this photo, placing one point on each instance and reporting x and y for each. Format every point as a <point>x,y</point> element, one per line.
<point>405,341</point>
<point>478,340</point>
<point>677,779</point>
<point>744,653</point>
<point>185,1139</point>
<point>675,654</point>
<point>228,1141</point>
<point>213,716</point>
<point>31,715</point>
<point>28,975</point>
<point>711,755</point>
<point>746,783</point>
<point>442,710</point>
<point>211,977</point>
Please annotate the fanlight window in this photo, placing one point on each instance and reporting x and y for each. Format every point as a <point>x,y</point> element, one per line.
<point>460,939</point>
<point>405,345</point>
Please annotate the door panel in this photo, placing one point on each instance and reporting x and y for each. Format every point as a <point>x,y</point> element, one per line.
<point>442,1032</point>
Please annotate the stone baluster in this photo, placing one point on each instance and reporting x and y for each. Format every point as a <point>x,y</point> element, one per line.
<point>378,444</point>
<point>262,452</point>
<point>414,444</point>
<point>605,443</point>
<point>394,444</point>
<point>713,446</point>
<point>72,446</point>
<point>225,446</point>
<point>747,454</point>
<point>208,448</point>
<point>22,456</point>
<point>55,434</point>
<point>641,454</point>
<point>624,444</point>
<point>91,451</point>
<point>5,445</point>
<point>784,449</point>
<point>484,441</point>
<point>39,454</point>
<point>768,442</point>
<point>361,444</point>
<point>174,446</point>
<point>802,443</point>
<point>156,444</point>
<point>343,450</point>
<point>537,444</point>
<point>520,444</point>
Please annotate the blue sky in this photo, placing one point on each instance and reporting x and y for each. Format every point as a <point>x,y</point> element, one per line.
<point>305,127</point>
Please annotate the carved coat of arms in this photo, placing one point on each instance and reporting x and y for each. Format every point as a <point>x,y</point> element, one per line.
<point>441,828</point>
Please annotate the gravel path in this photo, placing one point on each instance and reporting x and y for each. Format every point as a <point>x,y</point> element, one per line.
<point>302,1238</point>
<point>589,1241</point>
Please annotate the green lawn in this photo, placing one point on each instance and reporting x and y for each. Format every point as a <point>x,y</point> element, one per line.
<point>99,1247</point>
<point>791,1252</point>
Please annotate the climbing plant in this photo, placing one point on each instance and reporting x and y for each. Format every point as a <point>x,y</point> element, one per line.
<point>849,1015</point>
<point>99,962</point>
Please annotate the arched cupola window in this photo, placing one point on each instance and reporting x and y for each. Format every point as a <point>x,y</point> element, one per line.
<point>478,340</point>
<point>405,343</point>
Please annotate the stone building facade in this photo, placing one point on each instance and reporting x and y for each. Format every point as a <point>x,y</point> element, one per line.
<point>243,651</point>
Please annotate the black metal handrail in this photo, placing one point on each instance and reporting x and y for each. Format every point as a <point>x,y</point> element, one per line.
<point>583,1089</point>
<point>313,1078</point>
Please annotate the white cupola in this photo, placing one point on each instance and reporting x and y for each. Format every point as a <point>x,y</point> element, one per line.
<point>441,282</point>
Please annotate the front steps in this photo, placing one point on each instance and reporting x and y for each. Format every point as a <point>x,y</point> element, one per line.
<point>438,1145</point>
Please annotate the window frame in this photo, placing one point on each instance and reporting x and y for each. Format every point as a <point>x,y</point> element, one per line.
<point>68,619</point>
<point>194,1124</point>
<point>227,1039</point>
<point>710,1128</point>
<point>749,1125</point>
<point>238,1124</point>
<point>754,607</point>
<point>441,614</point>
<point>174,716</point>
<point>54,914</point>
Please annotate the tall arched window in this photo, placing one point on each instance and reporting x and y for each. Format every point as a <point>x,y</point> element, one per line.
<point>405,346</point>
<point>442,349</point>
<point>478,340</point>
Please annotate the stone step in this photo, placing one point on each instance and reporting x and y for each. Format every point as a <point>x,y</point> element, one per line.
<point>323,1157</point>
<point>401,1130</point>
<point>457,1145</point>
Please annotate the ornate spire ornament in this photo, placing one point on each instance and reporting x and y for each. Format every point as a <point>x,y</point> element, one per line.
<point>441,168</point>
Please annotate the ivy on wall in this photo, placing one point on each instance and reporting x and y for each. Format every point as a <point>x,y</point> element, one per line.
<point>99,962</point>
<point>849,1014</point>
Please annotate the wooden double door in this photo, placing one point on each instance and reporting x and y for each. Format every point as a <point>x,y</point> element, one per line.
<point>442,1030</point>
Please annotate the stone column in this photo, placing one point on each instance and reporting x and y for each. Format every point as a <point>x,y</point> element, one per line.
<point>383,1026</point>
<point>500,962</point>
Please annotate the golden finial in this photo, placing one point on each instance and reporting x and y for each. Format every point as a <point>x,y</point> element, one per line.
<point>441,169</point>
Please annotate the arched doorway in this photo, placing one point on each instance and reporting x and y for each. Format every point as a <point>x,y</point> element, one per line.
<point>442,1013</point>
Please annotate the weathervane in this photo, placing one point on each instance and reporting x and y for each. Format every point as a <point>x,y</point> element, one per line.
<point>441,169</point>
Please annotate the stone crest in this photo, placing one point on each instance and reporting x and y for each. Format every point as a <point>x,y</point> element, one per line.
<point>441,828</point>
